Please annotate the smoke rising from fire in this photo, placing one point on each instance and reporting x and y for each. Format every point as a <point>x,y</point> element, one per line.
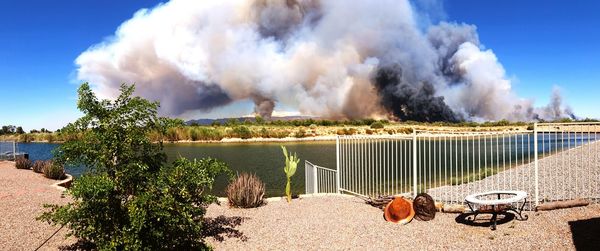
<point>334,59</point>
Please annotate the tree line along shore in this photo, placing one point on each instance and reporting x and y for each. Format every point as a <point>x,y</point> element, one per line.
<point>257,129</point>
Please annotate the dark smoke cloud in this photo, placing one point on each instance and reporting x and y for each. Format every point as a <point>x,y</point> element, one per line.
<point>414,102</point>
<point>329,58</point>
<point>264,107</point>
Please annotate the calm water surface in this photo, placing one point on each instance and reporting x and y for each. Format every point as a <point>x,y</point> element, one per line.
<point>264,159</point>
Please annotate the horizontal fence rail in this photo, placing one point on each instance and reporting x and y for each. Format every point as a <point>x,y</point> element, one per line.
<point>551,162</point>
<point>319,179</point>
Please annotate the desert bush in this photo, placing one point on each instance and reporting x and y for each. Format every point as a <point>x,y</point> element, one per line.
<point>25,138</point>
<point>208,133</point>
<point>404,130</point>
<point>171,134</point>
<point>241,132</point>
<point>301,133</point>
<point>49,137</point>
<point>39,165</point>
<point>346,131</point>
<point>377,125</point>
<point>264,133</point>
<point>53,170</point>
<point>23,163</point>
<point>281,134</point>
<point>368,131</point>
<point>246,191</point>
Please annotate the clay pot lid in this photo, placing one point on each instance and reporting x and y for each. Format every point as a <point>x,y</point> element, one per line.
<point>399,210</point>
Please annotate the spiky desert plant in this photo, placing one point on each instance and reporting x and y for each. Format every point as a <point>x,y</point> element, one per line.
<point>23,163</point>
<point>291,163</point>
<point>246,191</point>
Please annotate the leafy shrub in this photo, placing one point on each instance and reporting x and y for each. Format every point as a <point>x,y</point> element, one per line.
<point>241,132</point>
<point>207,133</point>
<point>246,191</point>
<point>377,125</point>
<point>23,163</point>
<point>131,200</point>
<point>39,165</point>
<point>54,171</point>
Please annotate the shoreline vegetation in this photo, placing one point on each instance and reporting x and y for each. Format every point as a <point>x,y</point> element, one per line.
<point>256,130</point>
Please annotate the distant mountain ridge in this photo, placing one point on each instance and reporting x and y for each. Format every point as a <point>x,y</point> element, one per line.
<point>242,119</point>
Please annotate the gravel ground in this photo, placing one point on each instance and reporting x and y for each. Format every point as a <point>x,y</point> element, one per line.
<point>22,196</point>
<point>336,222</point>
<point>570,174</point>
<point>313,223</point>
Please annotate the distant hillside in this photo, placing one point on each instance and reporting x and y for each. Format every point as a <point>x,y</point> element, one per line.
<point>242,119</point>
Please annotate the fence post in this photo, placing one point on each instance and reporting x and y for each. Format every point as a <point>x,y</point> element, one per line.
<point>535,163</point>
<point>306,178</point>
<point>337,162</point>
<point>315,179</point>
<point>414,153</point>
<point>15,150</point>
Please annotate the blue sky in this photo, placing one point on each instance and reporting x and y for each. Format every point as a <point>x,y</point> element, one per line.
<point>541,44</point>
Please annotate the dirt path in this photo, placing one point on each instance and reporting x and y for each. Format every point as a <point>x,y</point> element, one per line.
<point>22,196</point>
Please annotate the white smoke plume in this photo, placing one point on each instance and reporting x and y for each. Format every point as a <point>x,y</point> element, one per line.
<point>331,58</point>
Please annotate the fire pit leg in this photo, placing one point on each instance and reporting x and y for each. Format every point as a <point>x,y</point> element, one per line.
<point>519,212</point>
<point>494,217</point>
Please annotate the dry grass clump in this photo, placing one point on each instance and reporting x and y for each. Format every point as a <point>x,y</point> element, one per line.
<point>346,131</point>
<point>23,163</point>
<point>53,170</point>
<point>246,191</point>
<point>39,165</point>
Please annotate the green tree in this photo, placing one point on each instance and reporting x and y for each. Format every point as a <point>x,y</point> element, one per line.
<point>130,200</point>
<point>259,120</point>
<point>20,130</point>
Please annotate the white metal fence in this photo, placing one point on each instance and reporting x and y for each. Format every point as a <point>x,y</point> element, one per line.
<point>319,179</point>
<point>553,161</point>
<point>8,150</point>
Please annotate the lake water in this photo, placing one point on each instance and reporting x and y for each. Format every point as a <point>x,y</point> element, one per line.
<point>266,159</point>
